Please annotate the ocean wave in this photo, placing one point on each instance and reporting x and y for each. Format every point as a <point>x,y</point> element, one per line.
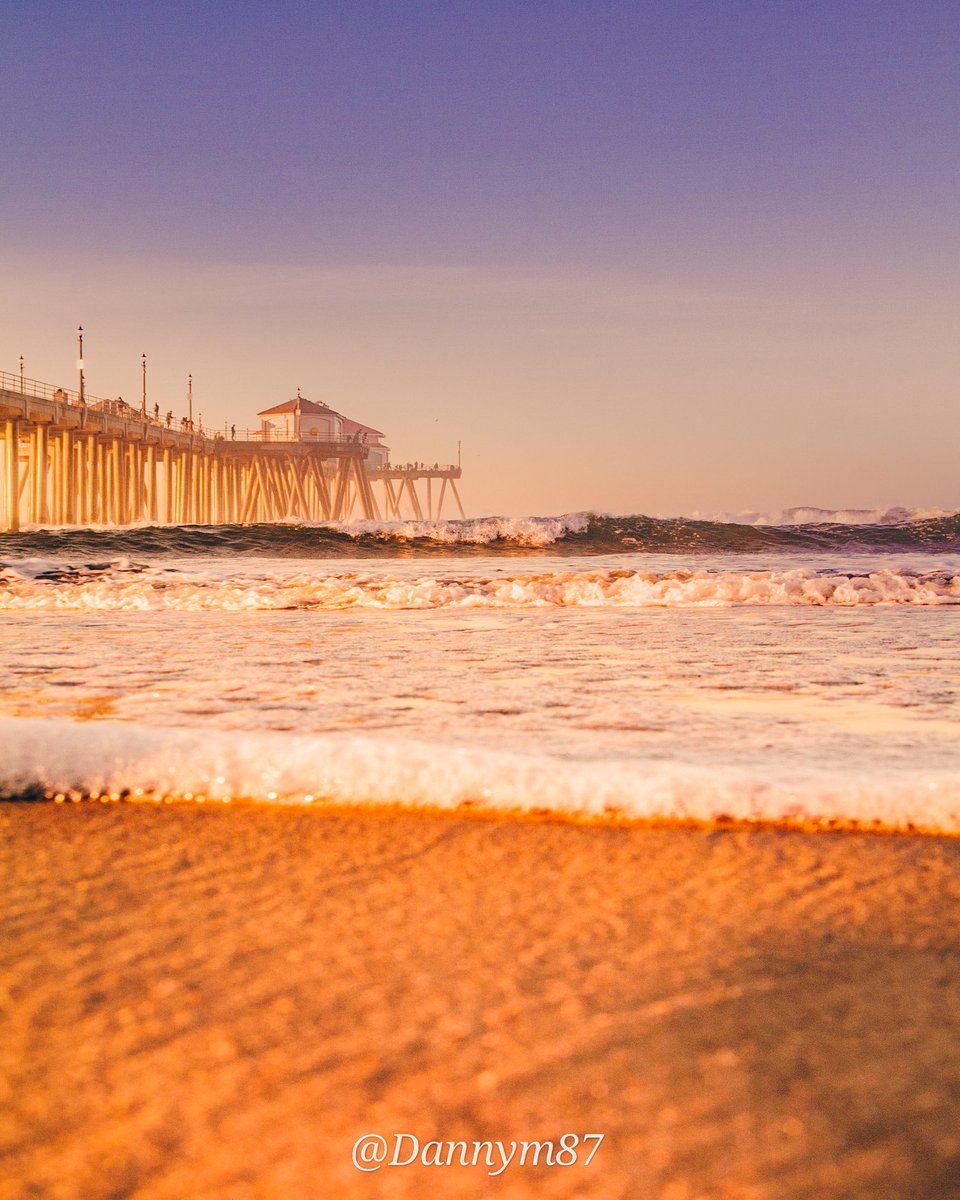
<point>522,532</point>
<point>45,585</point>
<point>810,515</point>
<point>64,760</point>
<point>574,533</point>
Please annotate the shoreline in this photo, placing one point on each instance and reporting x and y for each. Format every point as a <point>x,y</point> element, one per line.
<point>469,811</point>
<point>218,1000</point>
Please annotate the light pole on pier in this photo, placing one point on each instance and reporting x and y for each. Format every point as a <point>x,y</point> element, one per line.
<point>143,399</point>
<point>21,374</point>
<point>80,364</point>
<point>190,403</point>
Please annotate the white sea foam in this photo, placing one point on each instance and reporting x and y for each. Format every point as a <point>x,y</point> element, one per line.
<point>30,568</point>
<point>521,531</point>
<point>168,589</point>
<point>60,757</point>
<point>811,515</point>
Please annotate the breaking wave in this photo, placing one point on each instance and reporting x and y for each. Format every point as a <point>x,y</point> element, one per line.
<point>575,533</point>
<point>808,515</point>
<point>62,760</point>
<point>45,584</point>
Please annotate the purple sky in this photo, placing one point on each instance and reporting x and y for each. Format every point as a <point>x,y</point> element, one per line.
<point>686,220</point>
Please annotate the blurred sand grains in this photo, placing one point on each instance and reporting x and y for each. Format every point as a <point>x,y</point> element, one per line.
<point>218,1002</point>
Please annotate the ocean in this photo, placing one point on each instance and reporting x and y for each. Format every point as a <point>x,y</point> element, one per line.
<point>581,667</point>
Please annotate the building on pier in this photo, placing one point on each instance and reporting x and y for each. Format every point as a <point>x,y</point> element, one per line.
<point>299,420</point>
<point>303,420</point>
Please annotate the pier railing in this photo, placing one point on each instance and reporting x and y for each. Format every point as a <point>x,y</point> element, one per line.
<point>37,390</point>
<point>414,468</point>
<point>44,391</point>
<point>279,435</point>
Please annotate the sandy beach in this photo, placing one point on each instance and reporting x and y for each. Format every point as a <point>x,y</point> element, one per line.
<point>217,1002</point>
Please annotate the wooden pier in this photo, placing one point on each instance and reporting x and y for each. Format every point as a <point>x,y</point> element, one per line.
<point>400,490</point>
<point>68,461</point>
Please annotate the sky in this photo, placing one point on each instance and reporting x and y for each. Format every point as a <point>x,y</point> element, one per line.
<point>696,256</point>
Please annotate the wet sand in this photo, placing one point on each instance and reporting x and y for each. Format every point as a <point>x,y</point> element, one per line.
<point>211,1002</point>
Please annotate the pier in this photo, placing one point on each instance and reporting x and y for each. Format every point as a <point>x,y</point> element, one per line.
<point>77,460</point>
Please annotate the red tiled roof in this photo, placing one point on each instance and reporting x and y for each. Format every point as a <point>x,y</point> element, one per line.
<point>297,404</point>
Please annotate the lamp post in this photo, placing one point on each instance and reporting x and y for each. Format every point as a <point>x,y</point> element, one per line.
<point>21,374</point>
<point>190,403</point>
<point>143,400</point>
<point>80,363</point>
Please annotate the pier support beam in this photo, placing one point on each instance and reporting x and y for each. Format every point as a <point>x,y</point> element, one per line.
<point>11,475</point>
<point>402,496</point>
<point>39,509</point>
